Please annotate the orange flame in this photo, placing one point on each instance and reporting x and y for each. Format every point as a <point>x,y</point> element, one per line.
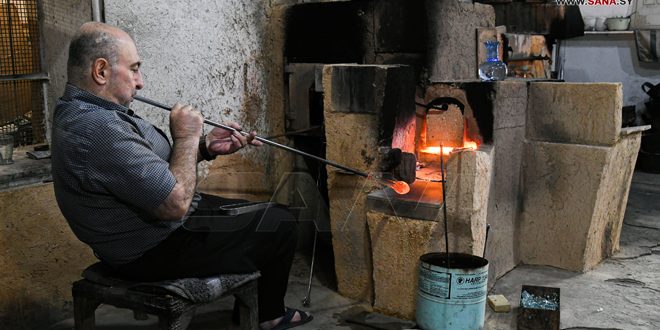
<point>447,150</point>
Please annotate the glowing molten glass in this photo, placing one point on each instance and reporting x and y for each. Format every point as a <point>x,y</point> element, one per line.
<point>400,187</point>
<point>447,150</point>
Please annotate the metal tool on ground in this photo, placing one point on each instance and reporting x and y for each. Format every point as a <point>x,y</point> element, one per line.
<point>308,298</point>
<point>399,187</point>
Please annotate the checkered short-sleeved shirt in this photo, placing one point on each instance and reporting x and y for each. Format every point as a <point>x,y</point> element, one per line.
<point>110,168</point>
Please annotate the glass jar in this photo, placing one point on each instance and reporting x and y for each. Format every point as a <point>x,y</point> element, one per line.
<point>6,149</point>
<point>492,69</point>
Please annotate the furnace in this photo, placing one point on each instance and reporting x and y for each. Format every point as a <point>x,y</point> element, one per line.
<point>543,162</point>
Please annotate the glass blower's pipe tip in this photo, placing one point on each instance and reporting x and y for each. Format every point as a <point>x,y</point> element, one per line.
<point>399,187</point>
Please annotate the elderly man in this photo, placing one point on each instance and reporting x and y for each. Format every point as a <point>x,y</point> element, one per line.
<point>127,193</point>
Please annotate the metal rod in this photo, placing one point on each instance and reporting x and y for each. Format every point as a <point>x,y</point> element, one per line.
<point>308,298</point>
<point>266,141</point>
<point>486,240</point>
<point>444,201</point>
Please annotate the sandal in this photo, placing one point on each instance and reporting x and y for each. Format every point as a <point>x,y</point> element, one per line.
<point>286,322</point>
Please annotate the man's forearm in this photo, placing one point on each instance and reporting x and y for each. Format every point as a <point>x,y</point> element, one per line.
<point>183,165</point>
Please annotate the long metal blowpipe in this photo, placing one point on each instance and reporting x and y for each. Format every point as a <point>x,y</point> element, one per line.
<point>396,185</point>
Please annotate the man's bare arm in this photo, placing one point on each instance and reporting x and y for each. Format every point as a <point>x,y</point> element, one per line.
<point>186,128</point>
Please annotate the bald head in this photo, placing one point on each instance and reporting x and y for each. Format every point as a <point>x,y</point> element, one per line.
<point>93,40</point>
<point>103,60</point>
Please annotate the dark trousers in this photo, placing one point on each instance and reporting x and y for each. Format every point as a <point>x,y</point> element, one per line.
<point>210,244</point>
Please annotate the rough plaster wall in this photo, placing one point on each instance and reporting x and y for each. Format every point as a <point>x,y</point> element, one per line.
<point>40,259</point>
<point>223,57</point>
<point>61,19</point>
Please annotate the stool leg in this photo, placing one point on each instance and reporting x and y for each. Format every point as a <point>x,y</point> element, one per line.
<point>247,299</point>
<point>83,312</point>
<point>175,321</point>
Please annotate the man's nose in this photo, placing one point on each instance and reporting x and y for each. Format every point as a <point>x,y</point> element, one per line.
<point>139,83</point>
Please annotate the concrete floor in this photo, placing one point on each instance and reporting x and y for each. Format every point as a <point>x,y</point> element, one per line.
<point>621,293</point>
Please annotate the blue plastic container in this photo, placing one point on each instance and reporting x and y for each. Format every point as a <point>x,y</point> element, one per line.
<point>452,297</point>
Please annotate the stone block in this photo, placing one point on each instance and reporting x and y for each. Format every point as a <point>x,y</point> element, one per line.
<point>509,104</point>
<point>363,106</point>
<point>363,88</point>
<point>468,186</point>
<point>351,142</point>
<point>445,127</point>
<point>561,183</point>
<point>350,240</point>
<point>605,231</point>
<point>509,115</point>
<point>574,201</point>
<point>504,201</point>
<point>499,303</point>
<point>577,113</point>
<point>396,244</point>
<point>385,90</point>
<point>453,38</point>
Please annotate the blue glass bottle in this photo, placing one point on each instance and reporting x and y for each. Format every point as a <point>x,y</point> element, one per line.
<point>493,69</point>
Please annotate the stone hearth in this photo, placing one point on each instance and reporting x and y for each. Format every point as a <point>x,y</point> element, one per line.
<point>552,193</point>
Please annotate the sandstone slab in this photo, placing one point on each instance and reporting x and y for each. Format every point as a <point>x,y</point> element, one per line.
<point>578,113</point>
<point>561,182</point>
<point>509,104</point>
<point>504,203</point>
<point>468,182</point>
<point>574,201</point>
<point>611,201</point>
<point>363,106</point>
<point>453,49</point>
<point>396,244</point>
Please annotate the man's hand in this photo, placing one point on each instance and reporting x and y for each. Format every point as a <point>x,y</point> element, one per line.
<point>222,142</point>
<point>185,122</point>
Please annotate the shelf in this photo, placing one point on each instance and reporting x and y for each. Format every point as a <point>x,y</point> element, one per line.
<point>608,32</point>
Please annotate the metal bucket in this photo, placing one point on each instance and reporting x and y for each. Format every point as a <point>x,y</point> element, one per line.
<point>452,297</point>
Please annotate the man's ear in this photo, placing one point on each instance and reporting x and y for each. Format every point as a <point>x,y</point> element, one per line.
<point>101,71</point>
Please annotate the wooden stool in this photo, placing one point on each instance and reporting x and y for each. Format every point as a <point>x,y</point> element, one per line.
<point>174,302</point>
